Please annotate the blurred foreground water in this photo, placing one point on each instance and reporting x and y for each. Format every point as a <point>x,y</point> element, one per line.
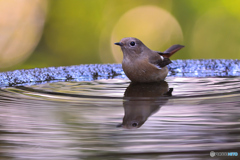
<point>111,119</point>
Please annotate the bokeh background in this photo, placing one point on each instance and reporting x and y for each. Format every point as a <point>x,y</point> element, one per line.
<point>43,33</point>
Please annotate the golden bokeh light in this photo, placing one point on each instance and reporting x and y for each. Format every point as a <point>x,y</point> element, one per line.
<point>21,24</point>
<point>156,27</point>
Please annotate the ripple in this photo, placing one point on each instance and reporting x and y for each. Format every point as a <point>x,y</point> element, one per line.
<point>106,118</point>
<point>184,88</point>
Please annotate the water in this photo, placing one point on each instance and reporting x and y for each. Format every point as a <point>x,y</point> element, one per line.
<point>111,119</point>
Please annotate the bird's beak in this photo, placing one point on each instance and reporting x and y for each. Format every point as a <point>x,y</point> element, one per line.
<point>119,125</point>
<point>118,43</point>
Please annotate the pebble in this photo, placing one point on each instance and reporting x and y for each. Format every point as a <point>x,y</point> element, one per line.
<point>89,72</point>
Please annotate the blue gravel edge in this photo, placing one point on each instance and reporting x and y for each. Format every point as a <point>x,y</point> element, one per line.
<point>89,72</point>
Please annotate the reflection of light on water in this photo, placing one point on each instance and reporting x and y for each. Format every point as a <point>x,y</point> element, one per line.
<point>21,24</point>
<point>86,126</point>
<point>154,26</point>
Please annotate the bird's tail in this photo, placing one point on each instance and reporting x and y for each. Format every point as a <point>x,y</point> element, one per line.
<point>170,51</point>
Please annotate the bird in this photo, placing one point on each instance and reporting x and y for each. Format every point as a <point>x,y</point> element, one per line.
<point>143,65</point>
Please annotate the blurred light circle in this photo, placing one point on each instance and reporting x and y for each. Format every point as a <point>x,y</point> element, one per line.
<point>21,24</point>
<point>154,26</point>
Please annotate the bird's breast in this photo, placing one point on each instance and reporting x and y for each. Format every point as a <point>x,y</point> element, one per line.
<point>140,70</point>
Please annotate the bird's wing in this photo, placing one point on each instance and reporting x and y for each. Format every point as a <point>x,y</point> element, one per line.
<point>159,60</point>
<point>170,51</point>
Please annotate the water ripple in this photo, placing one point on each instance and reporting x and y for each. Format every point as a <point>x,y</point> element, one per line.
<point>112,118</point>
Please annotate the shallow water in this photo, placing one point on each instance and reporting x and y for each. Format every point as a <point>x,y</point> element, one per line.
<point>111,119</point>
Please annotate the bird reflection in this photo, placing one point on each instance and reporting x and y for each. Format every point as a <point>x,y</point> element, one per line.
<point>143,100</point>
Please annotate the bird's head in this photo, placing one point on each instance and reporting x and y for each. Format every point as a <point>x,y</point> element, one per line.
<point>131,46</point>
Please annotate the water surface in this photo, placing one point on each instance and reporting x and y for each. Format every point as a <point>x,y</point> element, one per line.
<point>111,119</point>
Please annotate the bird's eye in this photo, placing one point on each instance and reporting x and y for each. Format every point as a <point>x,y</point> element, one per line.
<point>132,43</point>
<point>134,124</point>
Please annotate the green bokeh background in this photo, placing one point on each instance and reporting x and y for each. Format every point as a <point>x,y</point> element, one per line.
<point>73,29</point>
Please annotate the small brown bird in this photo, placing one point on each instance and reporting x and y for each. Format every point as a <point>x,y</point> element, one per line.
<point>142,64</point>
